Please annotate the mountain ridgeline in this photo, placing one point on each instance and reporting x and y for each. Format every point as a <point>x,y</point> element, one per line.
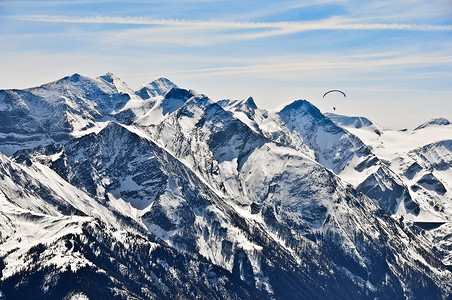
<point>162,193</point>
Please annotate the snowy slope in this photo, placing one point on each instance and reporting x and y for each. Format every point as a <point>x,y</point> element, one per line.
<point>47,248</point>
<point>40,208</point>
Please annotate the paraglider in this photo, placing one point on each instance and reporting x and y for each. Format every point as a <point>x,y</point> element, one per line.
<point>334,91</point>
<point>338,91</point>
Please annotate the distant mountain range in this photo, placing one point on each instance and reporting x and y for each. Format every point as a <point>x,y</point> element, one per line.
<point>162,193</point>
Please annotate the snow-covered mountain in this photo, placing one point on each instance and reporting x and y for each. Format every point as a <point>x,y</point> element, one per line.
<point>302,126</point>
<point>164,193</point>
<point>434,122</point>
<point>422,158</point>
<point>72,106</point>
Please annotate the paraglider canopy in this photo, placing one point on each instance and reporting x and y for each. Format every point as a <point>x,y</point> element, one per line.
<point>334,91</point>
<point>338,91</point>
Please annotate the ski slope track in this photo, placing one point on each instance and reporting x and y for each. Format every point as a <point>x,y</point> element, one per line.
<point>163,193</point>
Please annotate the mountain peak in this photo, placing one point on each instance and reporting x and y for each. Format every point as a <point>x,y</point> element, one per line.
<point>436,121</point>
<point>155,88</point>
<point>108,77</point>
<point>163,81</point>
<point>66,82</point>
<point>303,105</point>
<point>297,104</point>
<point>245,105</point>
<point>72,78</point>
<point>162,105</point>
<point>249,102</point>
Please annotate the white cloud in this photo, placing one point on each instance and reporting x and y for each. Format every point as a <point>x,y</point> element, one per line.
<point>284,27</point>
<point>406,10</point>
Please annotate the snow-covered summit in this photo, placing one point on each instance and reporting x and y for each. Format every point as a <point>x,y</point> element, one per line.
<point>109,77</point>
<point>304,107</point>
<point>104,94</point>
<point>116,83</point>
<point>51,112</point>
<point>155,88</point>
<point>154,110</point>
<point>436,121</point>
<point>247,103</point>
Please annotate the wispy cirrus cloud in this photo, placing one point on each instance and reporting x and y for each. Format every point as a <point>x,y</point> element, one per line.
<point>334,23</point>
<point>324,63</point>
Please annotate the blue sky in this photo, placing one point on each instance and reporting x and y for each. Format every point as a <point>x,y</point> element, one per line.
<point>392,58</point>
